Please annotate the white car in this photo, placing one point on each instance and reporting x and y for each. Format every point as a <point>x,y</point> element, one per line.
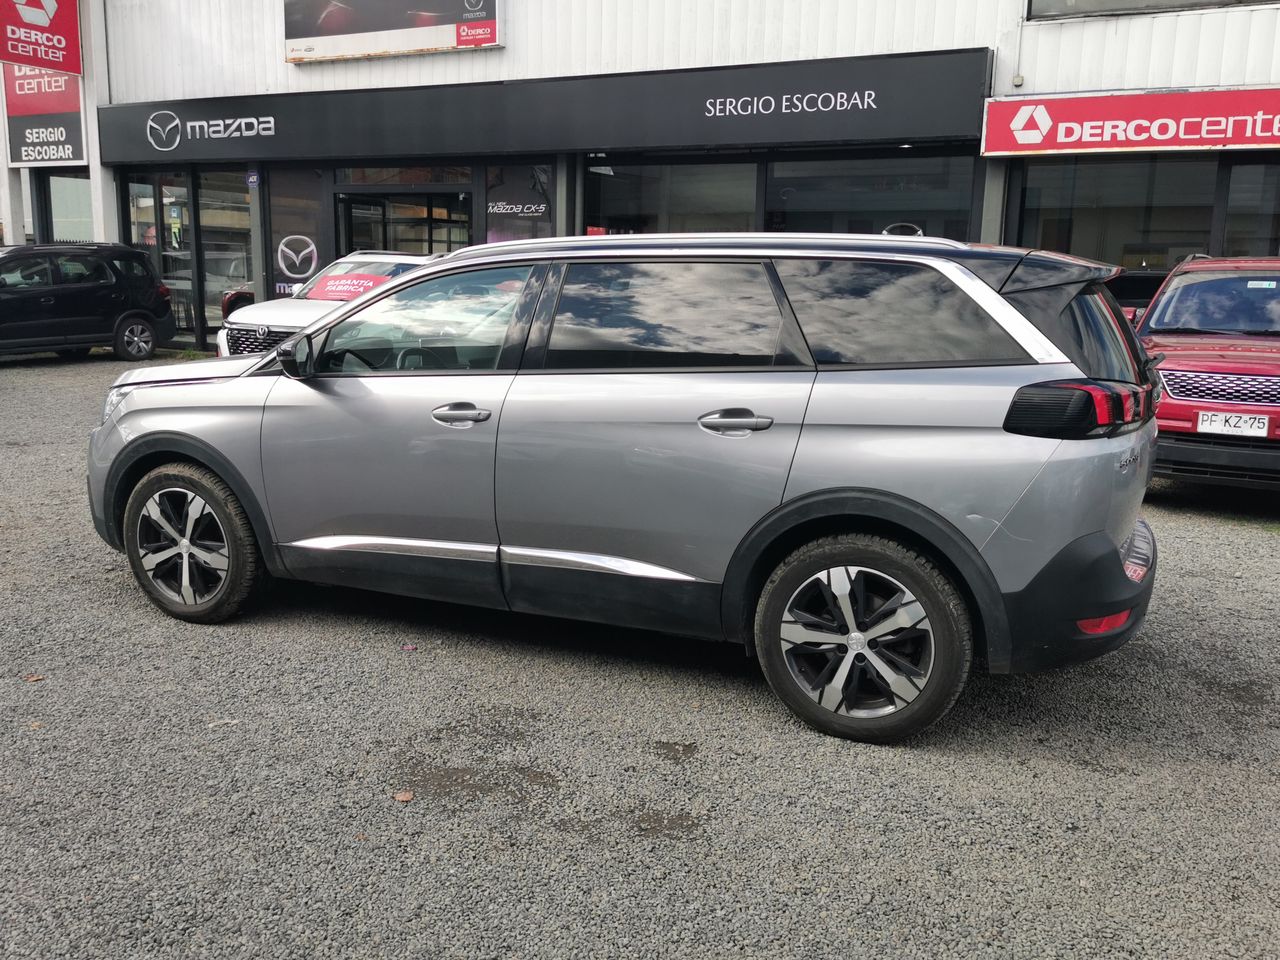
<point>260,326</point>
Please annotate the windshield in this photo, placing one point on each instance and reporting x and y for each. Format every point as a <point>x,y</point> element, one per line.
<point>1228,302</point>
<point>347,279</point>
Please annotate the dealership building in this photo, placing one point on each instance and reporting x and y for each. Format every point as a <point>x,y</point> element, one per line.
<point>245,143</point>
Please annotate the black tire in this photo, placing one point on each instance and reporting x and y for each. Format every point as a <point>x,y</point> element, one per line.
<point>76,353</point>
<point>244,572</point>
<point>945,629</point>
<point>135,338</point>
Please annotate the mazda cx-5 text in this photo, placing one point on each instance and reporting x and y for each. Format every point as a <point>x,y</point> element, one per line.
<point>878,462</point>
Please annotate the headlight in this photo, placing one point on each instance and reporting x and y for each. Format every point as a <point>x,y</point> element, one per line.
<point>115,396</point>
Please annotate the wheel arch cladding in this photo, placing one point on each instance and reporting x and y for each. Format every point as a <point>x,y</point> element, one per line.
<point>155,450</point>
<point>851,510</point>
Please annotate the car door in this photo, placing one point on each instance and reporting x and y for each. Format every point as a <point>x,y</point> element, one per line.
<point>26,300</point>
<point>87,298</point>
<point>651,426</point>
<point>379,469</point>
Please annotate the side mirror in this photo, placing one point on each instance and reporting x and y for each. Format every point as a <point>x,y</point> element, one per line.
<point>297,358</point>
<point>295,289</point>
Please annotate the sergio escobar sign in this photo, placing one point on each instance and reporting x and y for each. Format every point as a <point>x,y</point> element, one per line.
<point>43,114</point>
<point>41,33</point>
<point>1189,120</point>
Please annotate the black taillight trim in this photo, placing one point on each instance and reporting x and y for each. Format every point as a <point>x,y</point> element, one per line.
<point>1078,409</point>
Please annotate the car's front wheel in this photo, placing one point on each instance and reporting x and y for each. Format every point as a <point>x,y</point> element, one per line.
<point>135,339</point>
<point>863,638</point>
<point>190,544</point>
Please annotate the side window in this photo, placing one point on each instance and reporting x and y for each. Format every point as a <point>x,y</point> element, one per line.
<point>78,268</point>
<point>1095,342</point>
<point>645,315</point>
<point>19,273</point>
<point>132,270</point>
<point>878,313</point>
<point>452,323</point>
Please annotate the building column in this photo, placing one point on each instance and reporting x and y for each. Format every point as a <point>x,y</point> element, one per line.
<point>103,198</point>
<point>12,214</point>
<point>993,194</point>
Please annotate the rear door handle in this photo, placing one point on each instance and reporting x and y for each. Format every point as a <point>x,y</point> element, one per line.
<point>46,299</point>
<point>735,422</point>
<point>460,414</point>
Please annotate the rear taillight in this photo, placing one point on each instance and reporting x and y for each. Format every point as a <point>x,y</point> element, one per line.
<point>1096,625</point>
<point>1078,409</point>
<point>163,291</point>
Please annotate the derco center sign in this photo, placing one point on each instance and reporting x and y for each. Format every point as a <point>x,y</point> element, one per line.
<point>1186,120</point>
<point>41,33</point>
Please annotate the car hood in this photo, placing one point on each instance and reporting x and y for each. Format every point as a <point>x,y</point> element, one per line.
<point>1256,356</point>
<point>221,368</point>
<point>287,313</point>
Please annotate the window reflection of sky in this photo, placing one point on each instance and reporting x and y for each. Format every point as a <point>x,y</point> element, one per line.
<point>697,309</point>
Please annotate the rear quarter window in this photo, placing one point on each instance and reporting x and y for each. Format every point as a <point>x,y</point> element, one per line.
<point>860,313</point>
<point>1093,325</point>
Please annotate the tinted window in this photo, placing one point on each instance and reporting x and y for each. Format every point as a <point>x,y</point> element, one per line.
<point>1235,301</point>
<point>1095,343</point>
<point>451,323</point>
<point>132,269</point>
<point>78,268</point>
<point>615,315</point>
<point>20,272</point>
<point>855,312</point>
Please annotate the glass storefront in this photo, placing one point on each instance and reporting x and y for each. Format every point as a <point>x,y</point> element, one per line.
<point>670,198</point>
<point>70,206</point>
<point>1253,211</point>
<point>226,239</point>
<point>1141,212</point>
<point>900,194</point>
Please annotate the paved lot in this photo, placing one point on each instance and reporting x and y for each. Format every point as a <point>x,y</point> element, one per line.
<point>175,790</point>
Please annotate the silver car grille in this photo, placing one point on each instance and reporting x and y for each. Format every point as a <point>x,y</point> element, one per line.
<point>250,340</point>
<point>1221,387</point>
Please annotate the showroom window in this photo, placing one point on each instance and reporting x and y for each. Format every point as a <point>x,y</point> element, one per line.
<point>520,202</point>
<point>226,238</point>
<point>669,198</point>
<point>158,219</point>
<point>898,195</point>
<point>1253,211</point>
<point>1093,8</point>
<point>1143,213</point>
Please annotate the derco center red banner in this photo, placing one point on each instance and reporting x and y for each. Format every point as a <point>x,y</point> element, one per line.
<point>41,33</point>
<point>1196,120</point>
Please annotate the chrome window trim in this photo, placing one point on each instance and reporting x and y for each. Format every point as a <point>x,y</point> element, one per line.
<point>1039,347</point>
<point>594,562</point>
<point>437,549</point>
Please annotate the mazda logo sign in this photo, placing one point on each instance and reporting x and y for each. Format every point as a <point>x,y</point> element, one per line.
<point>474,5</point>
<point>164,130</point>
<point>297,256</point>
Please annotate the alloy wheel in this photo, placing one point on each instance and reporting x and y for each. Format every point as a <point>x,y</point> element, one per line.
<point>182,546</point>
<point>137,340</point>
<point>857,642</point>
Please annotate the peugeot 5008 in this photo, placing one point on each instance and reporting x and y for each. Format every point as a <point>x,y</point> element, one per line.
<point>876,461</point>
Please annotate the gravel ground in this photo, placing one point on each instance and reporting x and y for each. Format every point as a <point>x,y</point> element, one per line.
<point>174,790</point>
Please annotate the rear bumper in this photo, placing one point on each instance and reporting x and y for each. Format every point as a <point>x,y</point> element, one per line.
<point>1241,461</point>
<point>166,328</point>
<point>1085,580</point>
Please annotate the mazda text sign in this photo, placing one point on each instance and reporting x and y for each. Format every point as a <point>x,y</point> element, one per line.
<point>41,33</point>
<point>1184,120</point>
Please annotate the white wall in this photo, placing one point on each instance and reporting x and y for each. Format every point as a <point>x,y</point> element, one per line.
<point>177,49</point>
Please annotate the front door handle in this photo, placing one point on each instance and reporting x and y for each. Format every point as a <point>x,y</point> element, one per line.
<point>735,422</point>
<point>460,414</point>
<point>46,299</point>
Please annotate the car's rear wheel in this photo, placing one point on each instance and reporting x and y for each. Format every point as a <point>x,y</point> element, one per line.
<point>74,353</point>
<point>863,638</point>
<point>135,339</point>
<point>190,544</point>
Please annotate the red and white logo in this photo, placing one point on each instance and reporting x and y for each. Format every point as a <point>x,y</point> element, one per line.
<point>1031,123</point>
<point>477,34</point>
<point>1183,120</point>
<point>41,33</point>
<point>38,13</point>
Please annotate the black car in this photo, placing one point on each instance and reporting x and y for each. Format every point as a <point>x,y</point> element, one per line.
<point>71,297</point>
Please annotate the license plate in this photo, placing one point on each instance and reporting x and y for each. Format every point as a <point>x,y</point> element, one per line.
<point>1233,424</point>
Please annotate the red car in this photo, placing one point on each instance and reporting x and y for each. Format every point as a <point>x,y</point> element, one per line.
<point>1217,321</point>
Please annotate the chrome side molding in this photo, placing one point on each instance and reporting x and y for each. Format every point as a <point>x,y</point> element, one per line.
<point>438,549</point>
<point>597,562</point>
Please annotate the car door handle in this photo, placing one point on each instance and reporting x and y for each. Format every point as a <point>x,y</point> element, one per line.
<point>734,422</point>
<point>46,299</point>
<point>460,414</point>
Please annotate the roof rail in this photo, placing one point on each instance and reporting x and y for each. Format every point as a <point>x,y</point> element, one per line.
<point>651,239</point>
<point>1196,256</point>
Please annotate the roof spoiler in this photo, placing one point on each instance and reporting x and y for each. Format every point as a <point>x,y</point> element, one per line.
<point>1042,268</point>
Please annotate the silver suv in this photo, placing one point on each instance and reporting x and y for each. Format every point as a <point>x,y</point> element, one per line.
<point>874,461</point>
